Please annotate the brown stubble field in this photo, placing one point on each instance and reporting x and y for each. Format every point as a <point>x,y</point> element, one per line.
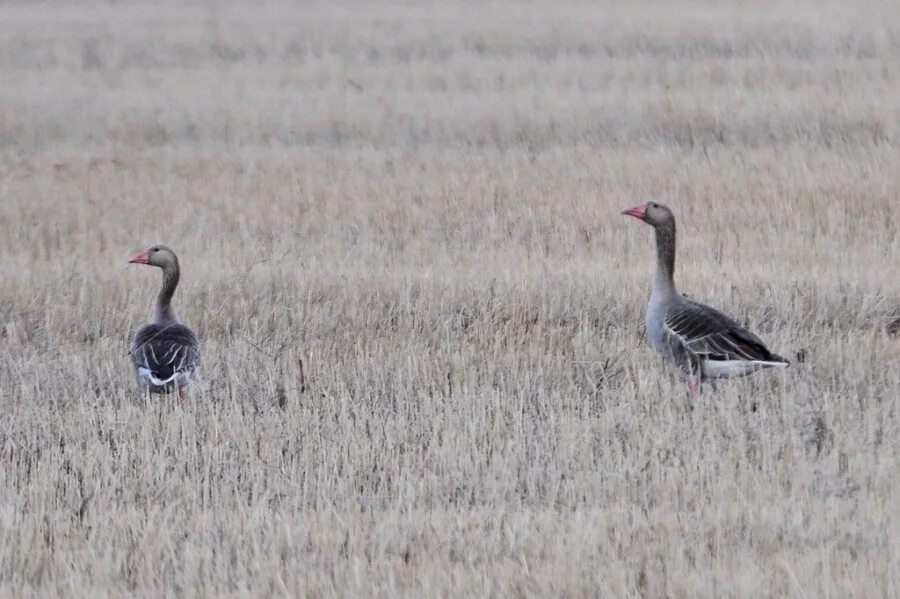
<point>421,202</point>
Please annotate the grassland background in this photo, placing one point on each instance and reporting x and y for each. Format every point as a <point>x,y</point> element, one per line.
<point>421,201</point>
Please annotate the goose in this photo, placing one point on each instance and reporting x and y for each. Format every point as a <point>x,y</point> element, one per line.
<point>164,352</point>
<point>702,341</point>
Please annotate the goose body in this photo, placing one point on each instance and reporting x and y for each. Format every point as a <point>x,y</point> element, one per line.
<point>702,341</point>
<point>165,352</point>
<point>164,356</point>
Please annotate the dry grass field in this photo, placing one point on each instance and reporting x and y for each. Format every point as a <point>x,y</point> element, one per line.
<point>421,202</point>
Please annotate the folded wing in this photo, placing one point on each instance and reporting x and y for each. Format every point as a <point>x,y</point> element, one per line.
<point>165,355</point>
<point>708,334</point>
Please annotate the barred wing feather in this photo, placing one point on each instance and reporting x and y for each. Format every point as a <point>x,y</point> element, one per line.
<point>710,335</point>
<point>165,353</point>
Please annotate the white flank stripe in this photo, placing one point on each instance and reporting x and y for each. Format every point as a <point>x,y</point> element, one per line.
<point>716,369</point>
<point>148,376</point>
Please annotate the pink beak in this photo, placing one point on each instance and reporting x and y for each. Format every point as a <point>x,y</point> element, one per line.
<point>639,211</point>
<point>142,258</point>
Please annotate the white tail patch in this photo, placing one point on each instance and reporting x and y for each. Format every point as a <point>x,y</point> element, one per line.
<point>146,375</point>
<point>717,369</point>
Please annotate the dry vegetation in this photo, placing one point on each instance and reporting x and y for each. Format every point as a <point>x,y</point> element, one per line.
<point>421,202</point>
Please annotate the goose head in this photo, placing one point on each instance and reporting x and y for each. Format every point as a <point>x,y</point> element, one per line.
<point>652,213</point>
<point>157,255</point>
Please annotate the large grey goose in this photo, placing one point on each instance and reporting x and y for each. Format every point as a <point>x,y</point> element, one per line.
<point>165,352</point>
<point>702,341</point>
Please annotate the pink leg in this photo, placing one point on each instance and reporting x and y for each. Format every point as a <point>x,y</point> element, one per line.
<point>182,395</point>
<point>694,387</point>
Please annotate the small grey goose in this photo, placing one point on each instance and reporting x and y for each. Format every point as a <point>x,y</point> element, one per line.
<point>702,341</point>
<point>165,352</point>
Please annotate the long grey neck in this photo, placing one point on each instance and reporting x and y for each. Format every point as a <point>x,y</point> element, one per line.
<point>163,312</point>
<point>664,282</point>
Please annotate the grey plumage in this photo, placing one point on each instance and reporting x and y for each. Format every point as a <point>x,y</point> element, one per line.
<point>165,356</point>
<point>693,335</point>
<point>702,341</point>
<point>165,353</point>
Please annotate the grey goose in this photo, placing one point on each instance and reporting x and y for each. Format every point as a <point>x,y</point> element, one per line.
<point>702,341</point>
<point>165,352</point>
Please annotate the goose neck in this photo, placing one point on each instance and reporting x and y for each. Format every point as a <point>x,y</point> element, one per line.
<point>664,282</point>
<point>164,311</point>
